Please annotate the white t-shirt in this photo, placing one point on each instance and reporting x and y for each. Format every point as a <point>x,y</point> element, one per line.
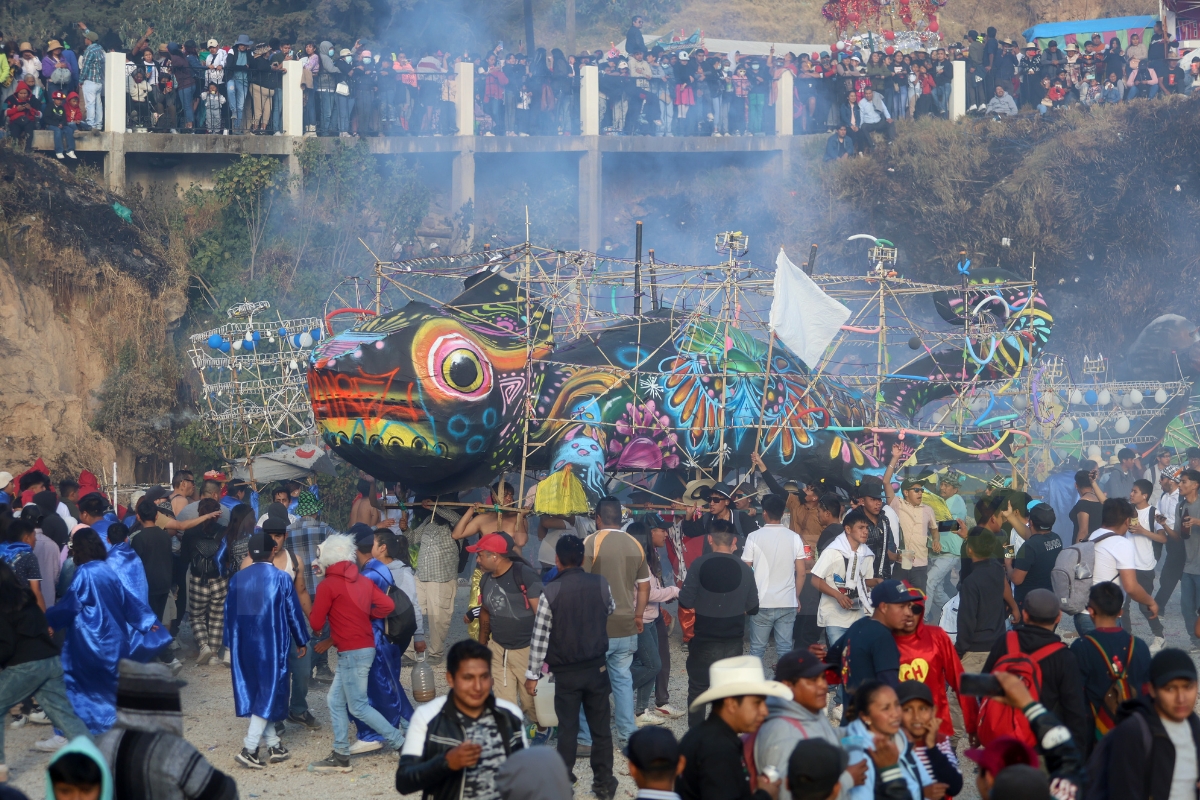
<point>773,551</point>
<point>1183,778</point>
<point>1112,555</point>
<point>834,562</point>
<point>1143,546</point>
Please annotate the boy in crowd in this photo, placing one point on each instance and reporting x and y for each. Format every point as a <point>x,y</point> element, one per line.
<point>1147,536</point>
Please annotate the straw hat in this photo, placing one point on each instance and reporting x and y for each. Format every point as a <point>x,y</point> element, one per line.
<point>732,677</point>
<point>52,45</point>
<point>25,47</point>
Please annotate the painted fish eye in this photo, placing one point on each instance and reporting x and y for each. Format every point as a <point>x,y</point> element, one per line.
<point>462,371</point>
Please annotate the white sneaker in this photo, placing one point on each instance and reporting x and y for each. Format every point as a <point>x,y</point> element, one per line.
<point>59,156</point>
<point>668,711</point>
<point>972,108</point>
<point>225,131</point>
<point>51,745</point>
<point>277,133</point>
<point>71,154</point>
<point>649,717</point>
<point>360,746</point>
<point>39,717</point>
<point>227,659</point>
<point>1158,644</point>
<point>176,666</point>
<point>205,656</point>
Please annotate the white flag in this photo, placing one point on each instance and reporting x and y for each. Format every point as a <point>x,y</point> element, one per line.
<point>802,315</point>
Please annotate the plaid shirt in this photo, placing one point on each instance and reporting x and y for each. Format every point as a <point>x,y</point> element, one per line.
<point>542,624</point>
<point>437,560</point>
<point>304,535</point>
<point>92,68</point>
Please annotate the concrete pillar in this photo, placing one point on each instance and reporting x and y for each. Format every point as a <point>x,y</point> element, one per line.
<point>783,104</point>
<point>589,101</point>
<point>114,159</point>
<point>958,91</point>
<point>114,94</point>
<point>590,177</point>
<point>293,99</point>
<point>464,106</point>
<point>462,193</point>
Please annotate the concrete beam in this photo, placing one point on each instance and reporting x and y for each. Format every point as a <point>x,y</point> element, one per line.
<point>589,100</point>
<point>464,101</point>
<point>462,195</point>
<point>114,161</point>
<point>114,93</point>
<point>958,91</point>
<point>590,202</point>
<point>783,104</point>
<point>293,99</point>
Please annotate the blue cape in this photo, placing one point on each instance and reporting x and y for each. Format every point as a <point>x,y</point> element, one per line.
<point>128,566</point>
<point>384,692</point>
<point>263,621</point>
<point>99,617</point>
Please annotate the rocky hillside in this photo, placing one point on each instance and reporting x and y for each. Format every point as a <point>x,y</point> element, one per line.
<point>84,294</point>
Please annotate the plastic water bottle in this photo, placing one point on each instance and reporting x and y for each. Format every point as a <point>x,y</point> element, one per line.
<point>423,687</point>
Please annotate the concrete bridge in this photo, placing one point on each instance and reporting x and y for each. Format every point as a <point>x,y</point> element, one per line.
<point>184,159</point>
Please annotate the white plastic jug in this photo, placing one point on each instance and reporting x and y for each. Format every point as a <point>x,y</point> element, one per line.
<point>423,687</point>
<point>543,702</point>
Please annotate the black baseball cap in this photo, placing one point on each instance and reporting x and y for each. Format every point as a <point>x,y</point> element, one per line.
<point>1169,664</point>
<point>814,768</point>
<point>260,544</point>
<point>652,748</point>
<point>652,521</point>
<point>894,591</point>
<point>914,690</point>
<point>799,664</point>
<point>1042,517</point>
<point>1021,782</point>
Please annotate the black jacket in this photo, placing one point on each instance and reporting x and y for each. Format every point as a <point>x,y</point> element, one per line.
<point>1138,774</point>
<point>716,767</point>
<point>720,588</point>
<point>429,773</point>
<point>1062,689</point>
<point>24,636</point>
<point>981,610</point>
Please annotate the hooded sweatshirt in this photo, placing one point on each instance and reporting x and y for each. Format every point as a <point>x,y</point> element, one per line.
<point>927,655</point>
<point>329,74</point>
<point>915,775</point>
<point>349,601</point>
<point>82,744</point>
<point>788,723</point>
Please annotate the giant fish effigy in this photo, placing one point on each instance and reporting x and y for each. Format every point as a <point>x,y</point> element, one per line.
<point>446,398</point>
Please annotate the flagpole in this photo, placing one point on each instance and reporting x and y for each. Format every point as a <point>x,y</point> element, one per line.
<point>762,405</point>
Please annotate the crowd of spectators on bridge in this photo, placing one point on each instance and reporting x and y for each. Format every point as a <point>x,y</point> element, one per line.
<point>366,89</point>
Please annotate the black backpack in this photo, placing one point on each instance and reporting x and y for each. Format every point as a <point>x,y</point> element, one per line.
<point>400,625</point>
<point>204,565</point>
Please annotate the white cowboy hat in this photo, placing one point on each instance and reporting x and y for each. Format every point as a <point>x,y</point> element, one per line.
<point>732,677</point>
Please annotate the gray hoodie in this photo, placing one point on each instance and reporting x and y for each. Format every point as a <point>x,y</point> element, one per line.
<point>326,80</point>
<point>780,734</point>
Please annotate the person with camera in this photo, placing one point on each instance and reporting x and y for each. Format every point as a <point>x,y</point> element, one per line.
<point>1180,529</point>
<point>842,575</point>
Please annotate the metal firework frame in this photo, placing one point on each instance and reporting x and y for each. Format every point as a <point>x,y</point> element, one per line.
<point>255,399</point>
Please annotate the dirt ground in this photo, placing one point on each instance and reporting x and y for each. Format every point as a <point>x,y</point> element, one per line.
<point>210,724</point>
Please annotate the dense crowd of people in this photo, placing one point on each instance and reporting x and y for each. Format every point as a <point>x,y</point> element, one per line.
<point>903,627</point>
<point>672,90</point>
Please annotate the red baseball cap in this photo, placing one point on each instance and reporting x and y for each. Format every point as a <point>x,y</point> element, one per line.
<point>494,543</point>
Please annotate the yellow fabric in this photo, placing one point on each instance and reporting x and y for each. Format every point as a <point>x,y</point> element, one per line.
<point>561,494</point>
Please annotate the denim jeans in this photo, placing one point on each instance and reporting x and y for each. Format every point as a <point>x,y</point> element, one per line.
<point>1189,599</point>
<point>941,96</point>
<point>349,693</point>
<point>186,95</point>
<point>780,620</point>
<point>236,91</point>
<point>940,569</point>
<point>345,106</point>
<point>276,110</point>
<point>646,665</point>
<point>327,119</point>
<point>93,99</point>
<point>619,660</point>
<point>1151,92</point>
<point>64,137</point>
<point>44,679</point>
<point>1084,624</point>
<point>301,672</point>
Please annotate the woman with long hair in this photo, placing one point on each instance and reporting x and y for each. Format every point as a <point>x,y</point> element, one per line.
<point>237,539</point>
<point>31,665</point>
<point>104,623</point>
<point>648,662</point>
<point>879,714</point>
<point>392,550</point>
<point>207,585</point>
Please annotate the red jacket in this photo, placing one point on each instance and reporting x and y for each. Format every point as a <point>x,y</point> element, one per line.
<point>349,601</point>
<point>928,655</point>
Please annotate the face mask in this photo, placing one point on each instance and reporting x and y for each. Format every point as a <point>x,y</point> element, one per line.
<point>366,61</point>
<point>348,59</point>
<point>331,52</point>
<point>754,66</point>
